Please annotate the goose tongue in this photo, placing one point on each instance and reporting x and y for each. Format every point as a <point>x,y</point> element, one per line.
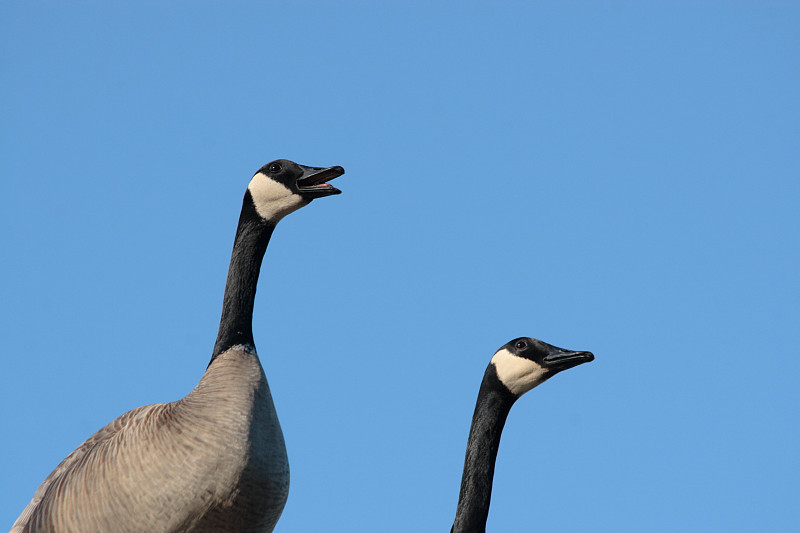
<point>314,180</point>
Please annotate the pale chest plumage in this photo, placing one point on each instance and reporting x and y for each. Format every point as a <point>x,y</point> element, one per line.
<point>212,461</point>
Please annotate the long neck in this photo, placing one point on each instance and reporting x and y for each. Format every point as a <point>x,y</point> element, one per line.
<point>252,236</point>
<point>491,410</point>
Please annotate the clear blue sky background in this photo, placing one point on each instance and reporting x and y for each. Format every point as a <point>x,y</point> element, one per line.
<point>614,176</point>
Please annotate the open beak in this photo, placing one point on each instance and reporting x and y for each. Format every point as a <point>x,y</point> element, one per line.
<point>560,359</point>
<point>313,183</point>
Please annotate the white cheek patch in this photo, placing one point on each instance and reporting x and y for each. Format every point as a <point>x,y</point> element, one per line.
<point>517,373</point>
<point>273,200</point>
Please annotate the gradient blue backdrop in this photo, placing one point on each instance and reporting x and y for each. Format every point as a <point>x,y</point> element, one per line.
<point>610,176</point>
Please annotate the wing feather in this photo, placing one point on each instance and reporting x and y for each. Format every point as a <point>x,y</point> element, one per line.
<point>37,515</point>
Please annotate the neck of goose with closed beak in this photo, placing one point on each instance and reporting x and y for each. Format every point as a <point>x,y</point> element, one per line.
<point>491,411</point>
<point>252,237</point>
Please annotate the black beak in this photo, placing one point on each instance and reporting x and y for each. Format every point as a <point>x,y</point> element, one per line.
<point>313,183</point>
<point>560,359</point>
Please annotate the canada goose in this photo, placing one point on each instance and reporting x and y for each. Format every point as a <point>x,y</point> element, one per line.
<point>513,370</point>
<point>214,460</point>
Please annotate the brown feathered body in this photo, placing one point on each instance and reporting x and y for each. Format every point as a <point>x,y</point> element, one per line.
<point>213,461</point>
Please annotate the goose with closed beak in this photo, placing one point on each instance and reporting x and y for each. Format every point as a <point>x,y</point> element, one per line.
<point>514,369</point>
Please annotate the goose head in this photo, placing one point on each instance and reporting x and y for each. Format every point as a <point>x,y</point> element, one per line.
<point>283,186</point>
<point>524,363</point>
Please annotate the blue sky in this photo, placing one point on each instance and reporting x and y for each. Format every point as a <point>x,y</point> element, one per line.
<point>615,177</point>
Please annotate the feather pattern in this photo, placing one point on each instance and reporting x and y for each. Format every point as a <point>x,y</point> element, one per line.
<point>221,445</point>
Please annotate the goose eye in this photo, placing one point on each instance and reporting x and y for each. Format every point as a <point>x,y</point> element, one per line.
<point>521,345</point>
<point>274,168</point>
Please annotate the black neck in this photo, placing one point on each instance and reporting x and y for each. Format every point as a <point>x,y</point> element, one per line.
<point>491,410</point>
<point>252,236</point>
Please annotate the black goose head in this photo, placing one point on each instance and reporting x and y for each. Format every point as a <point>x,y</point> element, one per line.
<point>524,363</point>
<point>283,186</point>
